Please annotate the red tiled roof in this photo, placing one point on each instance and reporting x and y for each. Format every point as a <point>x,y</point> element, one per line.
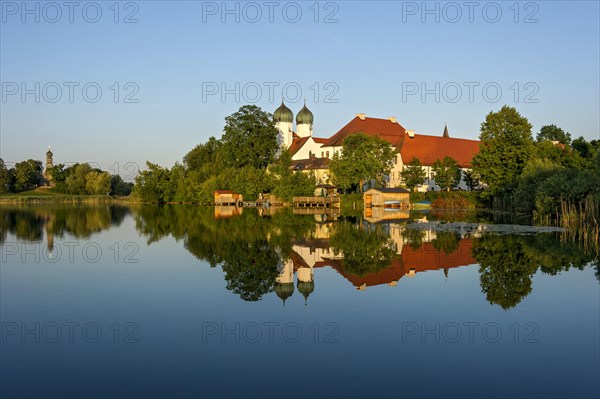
<point>297,143</point>
<point>382,128</point>
<point>428,149</point>
<point>319,140</point>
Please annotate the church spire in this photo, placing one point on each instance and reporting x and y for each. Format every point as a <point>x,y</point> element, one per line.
<point>445,131</point>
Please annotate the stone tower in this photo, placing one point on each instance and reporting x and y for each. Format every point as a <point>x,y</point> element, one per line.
<point>49,163</point>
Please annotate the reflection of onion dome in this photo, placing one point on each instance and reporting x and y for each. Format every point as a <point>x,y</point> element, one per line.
<point>306,288</point>
<point>305,117</point>
<point>283,114</point>
<point>284,291</point>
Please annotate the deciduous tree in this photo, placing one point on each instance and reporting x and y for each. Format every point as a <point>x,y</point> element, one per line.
<point>413,174</point>
<point>363,158</point>
<point>506,146</point>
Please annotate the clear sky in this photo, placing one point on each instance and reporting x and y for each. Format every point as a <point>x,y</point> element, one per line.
<point>180,67</point>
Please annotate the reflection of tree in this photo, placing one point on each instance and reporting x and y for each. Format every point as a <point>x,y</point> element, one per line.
<point>365,251</point>
<point>29,222</point>
<point>414,237</point>
<point>250,268</point>
<point>505,269</point>
<point>507,263</point>
<point>446,241</point>
<point>248,246</point>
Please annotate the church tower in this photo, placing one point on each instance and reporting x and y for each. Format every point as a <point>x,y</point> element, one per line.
<point>284,117</point>
<point>304,122</point>
<point>49,163</point>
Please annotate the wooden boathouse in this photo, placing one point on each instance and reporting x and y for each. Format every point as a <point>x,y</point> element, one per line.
<point>228,197</point>
<point>387,198</point>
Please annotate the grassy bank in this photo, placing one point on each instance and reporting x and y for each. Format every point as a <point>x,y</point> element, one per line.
<point>38,196</point>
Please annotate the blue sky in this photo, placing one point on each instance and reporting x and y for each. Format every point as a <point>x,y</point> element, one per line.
<point>351,57</point>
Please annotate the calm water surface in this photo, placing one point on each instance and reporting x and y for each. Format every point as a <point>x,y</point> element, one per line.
<point>183,301</point>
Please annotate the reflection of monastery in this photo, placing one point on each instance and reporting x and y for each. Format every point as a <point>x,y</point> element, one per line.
<point>314,154</point>
<point>315,252</point>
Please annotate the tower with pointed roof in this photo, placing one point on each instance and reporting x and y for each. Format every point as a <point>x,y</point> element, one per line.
<point>445,131</point>
<point>284,118</point>
<point>49,163</point>
<point>304,122</point>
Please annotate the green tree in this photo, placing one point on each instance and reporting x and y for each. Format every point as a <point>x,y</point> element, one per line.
<point>27,175</point>
<point>97,183</point>
<point>553,133</point>
<point>77,178</point>
<point>119,187</point>
<point>249,138</point>
<point>472,180</point>
<point>585,152</point>
<point>506,146</point>
<point>363,159</point>
<point>413,174</point>
<point>5,178</point>
<point>447,173</point>
<point>202,162</point>
<point>154,184</point>
<point>289,183</point>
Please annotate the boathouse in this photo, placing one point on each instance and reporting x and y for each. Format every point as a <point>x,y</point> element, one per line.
<point>387,198</point>
<point>227,197</point>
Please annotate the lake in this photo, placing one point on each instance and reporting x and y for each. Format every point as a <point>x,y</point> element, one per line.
<point>185,301</point>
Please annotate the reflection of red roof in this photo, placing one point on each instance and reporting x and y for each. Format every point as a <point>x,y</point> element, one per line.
<point>393,272</point>
<point>426,257</point>
<point>429,149</point>
<point>421,259</point>
<point>382,128</point>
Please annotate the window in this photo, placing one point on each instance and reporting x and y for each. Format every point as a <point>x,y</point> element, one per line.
<point>327,153</point>
<point>321,154</point>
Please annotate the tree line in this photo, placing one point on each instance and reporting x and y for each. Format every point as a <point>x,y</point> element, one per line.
<point>77,179</point>
<point>245,159</point>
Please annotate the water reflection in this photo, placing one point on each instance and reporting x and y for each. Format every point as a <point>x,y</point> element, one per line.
<point>274,251</point>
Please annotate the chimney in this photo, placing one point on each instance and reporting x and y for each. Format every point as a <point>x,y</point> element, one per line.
<point>361,116</point>
<point>411,133</point>
<point>392,119</point>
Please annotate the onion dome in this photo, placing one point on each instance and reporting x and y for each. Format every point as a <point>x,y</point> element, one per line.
<point>283,114</point>
<point>49,153</point>
<point>284,291</point>
<point>306,288</point>
<point>305,117</point>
